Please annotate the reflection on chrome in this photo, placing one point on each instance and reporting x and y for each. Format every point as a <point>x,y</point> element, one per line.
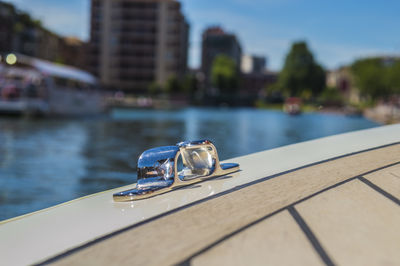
<point>166,168</point>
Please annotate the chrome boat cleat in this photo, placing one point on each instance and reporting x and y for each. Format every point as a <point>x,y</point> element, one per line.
<point>167,168</point>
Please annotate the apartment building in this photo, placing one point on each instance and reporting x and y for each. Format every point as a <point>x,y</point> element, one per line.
<point>137,42</point>
<point>216,41</point>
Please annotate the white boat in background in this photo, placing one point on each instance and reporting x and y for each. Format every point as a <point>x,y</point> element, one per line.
<point>292,106</point>
<point>30,86</point>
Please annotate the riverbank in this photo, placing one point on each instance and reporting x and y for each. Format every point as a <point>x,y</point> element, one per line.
<point>383,113</point>
<point>312,108</point>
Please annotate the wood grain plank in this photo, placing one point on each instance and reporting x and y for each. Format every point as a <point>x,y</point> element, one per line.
<point>355,224</point>
<point>274,241</point>
<point>387,179</point>
<point>175,237</point>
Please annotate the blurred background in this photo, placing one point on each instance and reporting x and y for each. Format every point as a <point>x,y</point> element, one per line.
<point>87,85</point>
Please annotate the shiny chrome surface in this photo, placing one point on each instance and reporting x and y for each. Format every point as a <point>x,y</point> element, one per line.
<point>166,168</point>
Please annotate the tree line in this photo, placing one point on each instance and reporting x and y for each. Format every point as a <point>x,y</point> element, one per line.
<point>377,78</point>
<point>301,76</point>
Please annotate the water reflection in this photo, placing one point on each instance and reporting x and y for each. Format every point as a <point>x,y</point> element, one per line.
<point>45,162</point>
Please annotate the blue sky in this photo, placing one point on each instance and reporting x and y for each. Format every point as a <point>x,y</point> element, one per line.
<point>337,31</point>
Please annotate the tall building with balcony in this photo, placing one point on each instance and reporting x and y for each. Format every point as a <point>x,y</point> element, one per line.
<point>137,42</point>
<point>216,41</point>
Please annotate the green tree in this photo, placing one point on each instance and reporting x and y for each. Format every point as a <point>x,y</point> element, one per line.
<point>301,75</point>
<point>173,85</point>
<point>224,74</point>
<point>190,84</point>
<point>331,96</point>
<point>394,77</point>
<point>375,78</point>
<point>154,88</point>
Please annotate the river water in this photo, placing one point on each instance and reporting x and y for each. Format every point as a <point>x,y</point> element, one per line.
<point>44,162</point>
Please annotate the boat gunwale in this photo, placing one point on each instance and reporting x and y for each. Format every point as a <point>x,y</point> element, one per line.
<point>220,194</point>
